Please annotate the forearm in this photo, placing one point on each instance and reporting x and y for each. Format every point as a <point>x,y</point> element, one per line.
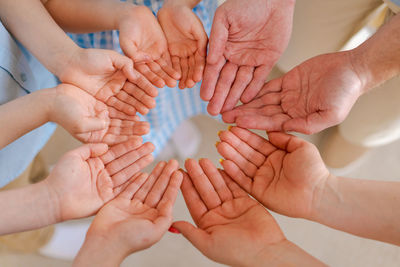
<point>32,25</point>
<point>23,115</point>
<point>365,208</point>
<point>378,59</point>
<point>83,16</point>
<point>26,208</point>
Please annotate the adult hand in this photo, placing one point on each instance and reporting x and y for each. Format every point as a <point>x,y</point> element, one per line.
<point>187,42</point>
<point>86,178</point>
<point>103,74</point>
<point>315,95</point>
<point>247,38</point>
<point>232,228</point>
<point>134,220</point>
<point>142,39</point>
<point>90,120</point>
<point>284,173</point>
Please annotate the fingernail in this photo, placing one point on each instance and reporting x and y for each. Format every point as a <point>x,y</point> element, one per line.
<point>230,127</point>
<point>221,160</point>
<point>174,230</point>
<point>217,143</point>
<point>219,132</point>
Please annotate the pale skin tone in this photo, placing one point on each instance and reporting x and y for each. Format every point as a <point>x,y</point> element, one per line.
<point>287,175</point>
<point>141,37</point>
<point>232,228</point>
<point>247,38</point>
<point>133,221</point>
<point>187,42</point>
<point>320,92</point>
<point>101,73</point>
<point>83,180</point>
<point>83,116</point>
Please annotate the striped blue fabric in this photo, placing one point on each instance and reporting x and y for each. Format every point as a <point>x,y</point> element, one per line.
<point>173,105</point>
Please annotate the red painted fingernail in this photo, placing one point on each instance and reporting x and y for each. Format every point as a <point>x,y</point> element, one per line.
<point>174,230</point>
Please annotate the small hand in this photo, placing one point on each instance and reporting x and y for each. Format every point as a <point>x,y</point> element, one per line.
<point>315,95</point>
<point>86,178</point>
<point>283,173</point>
<point>139,216</point>
<point>187,42</point>
<point>232,228</point>
<point>247,38</point>
<point>142,39</point>
<point>90,120</point>
<point>103,74</point>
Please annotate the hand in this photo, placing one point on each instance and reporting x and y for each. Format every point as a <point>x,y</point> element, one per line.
<point>233,229</point>
<point>103,74</point>
<point>247,38</point>
<point>315,95</point>
<point>90,120</point>
<point>187,42</point>
<point>137,218</point>
<point>86,178</point>
<point>142,39</point>
<point>284,174</point>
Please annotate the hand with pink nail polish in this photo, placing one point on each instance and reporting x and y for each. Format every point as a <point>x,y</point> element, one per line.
<point>187,42</point>
<point>247,38</point>
<point>135,220</point>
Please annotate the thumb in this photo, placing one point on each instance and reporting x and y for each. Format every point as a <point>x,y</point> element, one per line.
<point>218,38</point>
<point>311,124</point>
<point>125,64</point>
<point>90,124</point>
<point>198,237</point>
<point>91,150</point>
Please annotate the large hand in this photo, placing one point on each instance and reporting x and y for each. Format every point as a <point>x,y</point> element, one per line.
<point>142,39</point>
<point>233,229</point>
<point>137,218</point>
<point>90,120</point>
<point>88,177</point>
<point>284,173</point>
<point>187,42</point>
<point>247,38</point>
<point>104,75</point>
<point>315,95</point>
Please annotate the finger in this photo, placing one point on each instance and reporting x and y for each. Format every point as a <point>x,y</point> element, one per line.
<point>269,99</point>
<point>168,68</point>
<point>216,179</point>
<point>255,141</point>
<point>242,147</point>
<point>125,64</point>
<point>131,101</point>
<point>121,149</point>
<point>134,185</point>
<point>230,153</point>
<point>140,95</point>
<point>146,86</point>
<point>259,79</point>
<point>90,124</point>
<point>145,189</point>
<point>90,151</point>
<point>202,184</point>
<point>198,237</point>
<point>155,68</point>
<point>150,75</point>
<point>218,37</point>
<point>273,123</point>
<point>140,128</point>
<point>185,70</point>
<point>121,106</point>
<point>286,142</point>
<point>222,89</point>
<point>211,75</point>
<point>116,114</point>
<point>195,204</point>
<point>242,79</point>
<point>122,176</point>
<point>200,62</point>
<point>125,123</point>
<point>267,111</point>
<point>237,192</point>
<point>169,197</point>
<point>273,86</point>
<point>191,65</point>
<point>237,175</point>
<point>176,65</point>
<point>161,184</point>
<point>112,139</point>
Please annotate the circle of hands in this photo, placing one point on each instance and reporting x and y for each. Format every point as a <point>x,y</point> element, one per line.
<point>102,92</point>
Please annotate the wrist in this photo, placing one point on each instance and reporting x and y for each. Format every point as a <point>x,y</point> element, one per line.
<point>68,65</point>
<point>53,203</point>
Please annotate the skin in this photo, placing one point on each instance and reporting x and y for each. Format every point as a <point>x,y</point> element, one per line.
<point>187,42</point>
<point>247,38</point>
<point>133,221</point>
<point>232,228</point>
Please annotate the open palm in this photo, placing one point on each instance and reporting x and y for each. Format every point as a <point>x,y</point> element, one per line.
<point>283,173</point>
<point>315,95</point>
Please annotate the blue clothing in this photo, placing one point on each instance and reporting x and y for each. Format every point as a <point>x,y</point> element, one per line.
<point>173,105</point>
<point>21,74</point>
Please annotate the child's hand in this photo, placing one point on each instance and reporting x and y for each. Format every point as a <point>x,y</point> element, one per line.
<point>103,74</point>
<point>187,41</point>
<point>90,120</point>
<point>233,229</point>
<point>285,174</point>
<point>88,177</point>
<point>134,220</point>
<point>142,39</point>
